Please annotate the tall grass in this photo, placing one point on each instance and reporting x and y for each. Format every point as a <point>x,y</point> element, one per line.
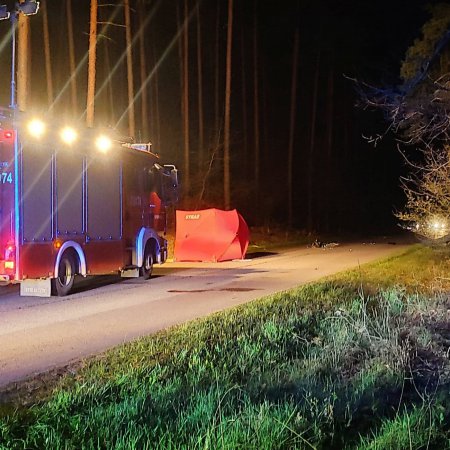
<point>324,366</point>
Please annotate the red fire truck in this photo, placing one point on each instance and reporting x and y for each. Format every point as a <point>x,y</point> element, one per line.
<point>75,203</point>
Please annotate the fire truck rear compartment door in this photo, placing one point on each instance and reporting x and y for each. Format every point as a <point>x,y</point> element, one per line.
<point>69,193</point>
<point>104,199</point>
<point>37,194</point>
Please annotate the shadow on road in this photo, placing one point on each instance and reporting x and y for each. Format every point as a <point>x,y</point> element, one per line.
<point>83,284</point>
<point>254,255</point>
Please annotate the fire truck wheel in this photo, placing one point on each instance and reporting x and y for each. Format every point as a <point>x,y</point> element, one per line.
<point>66,275</point>
<point>147,266</point>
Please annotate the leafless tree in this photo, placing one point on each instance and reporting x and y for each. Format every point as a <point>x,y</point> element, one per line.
<point>417,113</point>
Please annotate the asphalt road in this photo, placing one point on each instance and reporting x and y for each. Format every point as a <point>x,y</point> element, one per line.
<point>40,334</point>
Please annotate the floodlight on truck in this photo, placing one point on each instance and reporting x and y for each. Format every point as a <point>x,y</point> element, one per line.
<point>68,135</point>
<point>36,128</point>
<point>103,143</point>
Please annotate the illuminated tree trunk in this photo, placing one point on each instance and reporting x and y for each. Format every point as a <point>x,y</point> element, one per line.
<point>90,106</point>
<point>200,91</point>
<point>143,71</point>
<point>186,99</point>
<point>109,86</point>
<point>292,129</point>
<point>48,65</point>
<point>72,65</point>
<point>156,100</point>
<point>131,117</point>
<point>23,60</point>
<point>226,143</point>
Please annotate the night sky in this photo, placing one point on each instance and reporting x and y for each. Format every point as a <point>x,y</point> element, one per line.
<point>354,186</point>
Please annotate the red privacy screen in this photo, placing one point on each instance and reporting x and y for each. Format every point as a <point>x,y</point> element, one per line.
<point>210,235</point>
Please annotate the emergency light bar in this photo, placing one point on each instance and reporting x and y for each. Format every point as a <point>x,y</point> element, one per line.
<point>140,147</point>
<point>4,13</point>
<point>28,7</point>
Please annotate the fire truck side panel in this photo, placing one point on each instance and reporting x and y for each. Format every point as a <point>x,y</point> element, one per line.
<point>104,199</point>
<point>69,194</point>
<point>104,257</point>
<point>37,194</point>
<point>37,260</point>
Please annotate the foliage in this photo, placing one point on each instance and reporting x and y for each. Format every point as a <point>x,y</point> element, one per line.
<point>417,113</point>
<point>422,50</point>
<point>323,366</point>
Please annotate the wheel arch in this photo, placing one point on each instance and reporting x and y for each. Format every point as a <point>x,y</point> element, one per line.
<point>76,247</point>
<point>145,235</point>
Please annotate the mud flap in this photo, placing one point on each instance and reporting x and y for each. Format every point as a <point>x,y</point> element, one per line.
<point>36,287</point>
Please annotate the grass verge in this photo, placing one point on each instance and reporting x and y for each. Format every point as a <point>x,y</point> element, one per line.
<point>357,361</point>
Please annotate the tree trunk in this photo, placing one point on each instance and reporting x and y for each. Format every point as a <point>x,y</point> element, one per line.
<point>244,101</point>
<point>23,59</point>
<point>256,159</point>
<point>217,78</point>
<point>329,163</point>
<point>156,100</point>
<point>310,173</point>
<point>181,62</point>
<point>131,118</point>
<point>72,64</point>
<point>143,70</point>
<point>226,142</point>
<point>200,91</point>
<point>109,86</point>
<point>90,106</point>
<point>187,180</point>
<point>290,163</point>
<point>48,64</point>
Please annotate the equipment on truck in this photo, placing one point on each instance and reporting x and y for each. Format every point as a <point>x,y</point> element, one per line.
<point>78,203</point>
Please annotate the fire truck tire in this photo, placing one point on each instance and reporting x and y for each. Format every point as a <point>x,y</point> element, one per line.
<point>66,276</point>
<point>147,264</point>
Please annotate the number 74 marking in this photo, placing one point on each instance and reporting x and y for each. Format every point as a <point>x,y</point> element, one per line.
<point>6,177</point>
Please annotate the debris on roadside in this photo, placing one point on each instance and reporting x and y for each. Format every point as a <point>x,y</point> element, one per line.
<point>324,245</point>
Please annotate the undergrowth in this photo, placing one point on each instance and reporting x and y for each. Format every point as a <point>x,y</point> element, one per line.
<point>329,365</point>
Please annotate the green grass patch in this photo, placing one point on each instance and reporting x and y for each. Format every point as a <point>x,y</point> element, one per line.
<point>327,365</point>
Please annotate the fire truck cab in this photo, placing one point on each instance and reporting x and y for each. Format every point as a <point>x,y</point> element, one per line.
<point>73,204</point>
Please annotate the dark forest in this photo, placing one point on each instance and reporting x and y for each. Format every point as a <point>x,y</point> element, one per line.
<point>290,94</point>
